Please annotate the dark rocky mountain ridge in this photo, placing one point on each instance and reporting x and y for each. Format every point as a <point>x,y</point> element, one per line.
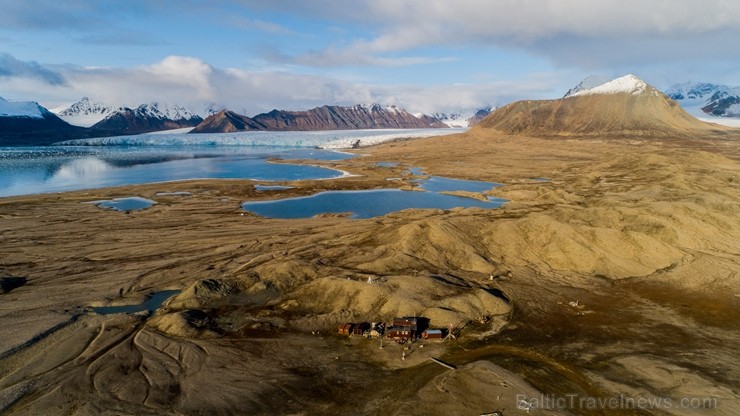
<point>144,119</point>
<point>320,118</point>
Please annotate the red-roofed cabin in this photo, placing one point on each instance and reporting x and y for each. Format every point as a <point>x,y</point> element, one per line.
<point>401,333</point>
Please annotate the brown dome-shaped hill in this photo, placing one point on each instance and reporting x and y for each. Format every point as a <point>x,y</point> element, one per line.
<point>626,106</point>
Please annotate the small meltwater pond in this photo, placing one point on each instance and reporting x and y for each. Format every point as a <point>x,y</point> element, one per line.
<point>151,304</point>
<point>272,187</point>
<point>133,203</point>
<point>374,203</point>
<point>441,184</point>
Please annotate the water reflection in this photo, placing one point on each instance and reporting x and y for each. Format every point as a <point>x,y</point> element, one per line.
<point>133,203</point>
<point>362,204</point>
<point>442,184</point>
<point>151,304</point>
<point>37,170</point>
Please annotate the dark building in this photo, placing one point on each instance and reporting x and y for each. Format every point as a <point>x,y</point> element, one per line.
<point>361,328</point>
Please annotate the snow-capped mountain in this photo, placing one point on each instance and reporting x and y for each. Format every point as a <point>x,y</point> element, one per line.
<point>85,112</point>
<point>28,123</point>
<point>710,99</point>
<point>172,112</point>
<point>26,109</point>
<point>623,107</point>
<point>589,82</point>
<point>147,118</point>
<point>628,84</point>
<point>463,119</point>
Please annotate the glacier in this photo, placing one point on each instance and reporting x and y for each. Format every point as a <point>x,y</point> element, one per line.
<point>325,139</point>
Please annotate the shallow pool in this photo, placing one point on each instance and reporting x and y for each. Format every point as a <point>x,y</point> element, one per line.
<point>152,303</point>
<point>442,184</point>
<point>272,187</point>
<point>133,203</point>
<point>362,204</point>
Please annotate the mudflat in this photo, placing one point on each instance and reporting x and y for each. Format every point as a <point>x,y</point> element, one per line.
<point>615,277</point>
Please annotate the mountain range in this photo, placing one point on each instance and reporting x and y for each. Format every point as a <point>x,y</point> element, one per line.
<point>371,116</point>
<point>125,120</point>
<point>156,116</point>
<point>28,123</point>
<point>147,118</point>
<point>712,99</point>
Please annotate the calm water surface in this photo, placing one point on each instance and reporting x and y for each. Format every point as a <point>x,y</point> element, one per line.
<point>33,170</point>
<point>152,303</point>
<point>362,204</point>
<point>441,184</point>
<point>133,203</point>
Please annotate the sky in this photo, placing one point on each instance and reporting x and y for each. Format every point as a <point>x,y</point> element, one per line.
<point>423,55</point>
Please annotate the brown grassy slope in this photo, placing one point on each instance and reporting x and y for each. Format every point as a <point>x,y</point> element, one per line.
<point>644,235</point>
<point>649,113</point>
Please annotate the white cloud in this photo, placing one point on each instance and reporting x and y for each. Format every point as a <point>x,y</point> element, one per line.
<point>191,82</point>
<point>553,28</point>
<point>523,19</point>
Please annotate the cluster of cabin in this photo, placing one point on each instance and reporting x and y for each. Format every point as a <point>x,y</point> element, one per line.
<point>403,329</point>
<point>365,329</point>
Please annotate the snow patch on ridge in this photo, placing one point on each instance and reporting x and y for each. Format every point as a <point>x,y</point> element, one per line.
<point>85,112</point>
<point>462,119</point>
<point>628,84</point>
<point>29,109</point>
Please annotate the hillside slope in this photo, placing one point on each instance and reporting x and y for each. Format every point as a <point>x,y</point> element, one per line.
<point>624,107</point>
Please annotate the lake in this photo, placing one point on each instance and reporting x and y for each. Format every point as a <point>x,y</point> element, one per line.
<point>364,204</point>
<point>130,160</point>
<point>33,170</point>
<point>163,156</point>
<point>153,302</point>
